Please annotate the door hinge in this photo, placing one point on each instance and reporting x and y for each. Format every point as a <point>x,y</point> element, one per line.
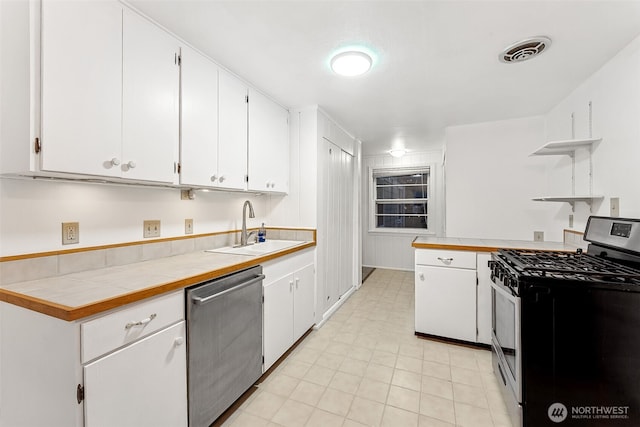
<point>80,393</point>
<point>477,281</point>
<point>179,59</point>
<point>176,167</point>
<point>246,99</point>
<point>246,178</point>
<point>37,146</point>
<point>263,359</point>
<point>263,299</point>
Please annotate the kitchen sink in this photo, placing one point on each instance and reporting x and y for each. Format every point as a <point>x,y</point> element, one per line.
<point>258,249</point>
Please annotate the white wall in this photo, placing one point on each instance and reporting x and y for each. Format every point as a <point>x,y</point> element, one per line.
<point>491,179</point>
<point>393,250</point>
<point>614,91</point>
<point>33,210</point>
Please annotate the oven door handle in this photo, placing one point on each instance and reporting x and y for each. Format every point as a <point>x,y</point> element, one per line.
<point>504,380</point>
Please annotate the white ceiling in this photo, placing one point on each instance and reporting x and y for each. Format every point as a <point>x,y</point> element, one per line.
<point>437,61</point>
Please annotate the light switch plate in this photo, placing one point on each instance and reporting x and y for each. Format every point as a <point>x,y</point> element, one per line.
<point>70,233</point>
<point>188,226</point>
<point>151,228</point>
<point>614,207</point>
<point>538,236</point>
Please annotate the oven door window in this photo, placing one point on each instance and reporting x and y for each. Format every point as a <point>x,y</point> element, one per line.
<point>504,328</point>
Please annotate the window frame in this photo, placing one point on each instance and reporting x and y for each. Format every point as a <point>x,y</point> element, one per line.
<point>402,170</point>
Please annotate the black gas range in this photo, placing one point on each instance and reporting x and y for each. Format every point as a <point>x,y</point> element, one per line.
<point>566,329</point>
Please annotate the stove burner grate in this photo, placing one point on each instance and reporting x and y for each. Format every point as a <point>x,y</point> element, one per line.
<point>570,266</point>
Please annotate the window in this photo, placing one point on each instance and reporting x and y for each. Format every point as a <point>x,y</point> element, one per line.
<point>400,198</point>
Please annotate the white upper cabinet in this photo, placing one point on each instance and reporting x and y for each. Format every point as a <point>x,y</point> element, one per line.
<point>81,87</point>
<point>199,141</point>
<point>268,145</point>
<point>110,92</point>
<point>151,77</point>
<point>232,132</point>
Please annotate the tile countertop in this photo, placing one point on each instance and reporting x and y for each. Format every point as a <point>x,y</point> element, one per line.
<point>78,295</point>
<point>487,245</point>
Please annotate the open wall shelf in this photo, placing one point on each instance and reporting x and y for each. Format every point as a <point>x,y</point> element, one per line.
<point>566,147</point>
<point>589,200</point>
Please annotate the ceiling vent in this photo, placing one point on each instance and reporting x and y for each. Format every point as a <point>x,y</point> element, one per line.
<point>525,49</point>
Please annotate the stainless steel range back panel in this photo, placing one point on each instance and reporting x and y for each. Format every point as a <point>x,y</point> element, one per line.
<point>224,342</point>
<point>616,233</point>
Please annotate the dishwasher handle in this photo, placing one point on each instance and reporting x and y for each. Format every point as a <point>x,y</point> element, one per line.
<point>204,300</point>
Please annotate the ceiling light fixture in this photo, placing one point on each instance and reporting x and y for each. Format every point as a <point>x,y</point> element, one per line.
<point>398,152</point>
<point>351,63</point>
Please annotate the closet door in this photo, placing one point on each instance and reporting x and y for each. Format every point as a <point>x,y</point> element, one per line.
<point>346,222</point>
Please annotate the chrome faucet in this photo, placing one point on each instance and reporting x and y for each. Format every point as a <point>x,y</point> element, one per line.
<point>244,237</point>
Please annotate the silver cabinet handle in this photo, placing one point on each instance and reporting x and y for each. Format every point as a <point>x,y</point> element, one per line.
<point>291,285</point>
<point>297,282</point>
<point>131,164</point>
<point>222,178</point>
<point>445,259</point>
<point>115,161</point>
<point>213,178</point>
<point>140,322</point>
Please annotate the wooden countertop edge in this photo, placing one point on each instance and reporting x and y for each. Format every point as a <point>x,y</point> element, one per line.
<point>473,248</point>
<point>74,313</point>
<point>454,247</point>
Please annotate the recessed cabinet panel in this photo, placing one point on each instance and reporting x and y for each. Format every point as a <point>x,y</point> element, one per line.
<point>278,319</point>
<point>144,384</point>
<point>232,125</point>
<point>150,101</point>
<point>446,302</point>
<point>268,145</point>
<point>303,300</point>
<point>199,142</point>
<point>81,87</point>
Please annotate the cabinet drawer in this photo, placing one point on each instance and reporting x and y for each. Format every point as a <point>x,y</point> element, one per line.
<point>106,333</point>
<point>445,258</point>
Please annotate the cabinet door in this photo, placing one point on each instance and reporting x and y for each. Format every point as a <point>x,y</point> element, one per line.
<point>232,125</point>
<point>81,87</point>
<point>199,140</point>
<point>268,145</point>
<point>143,384</point>
<point>303,300</point>
<point>278,319</point>
<point>150,93</point>
<point>484,299</point>
<point>445,302</point>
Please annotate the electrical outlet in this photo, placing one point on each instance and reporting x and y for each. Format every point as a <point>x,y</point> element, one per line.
<point>187,195</point>
<point>188,226</point>
<point>614,206</point>
<point>70,233</point>
<point>151,228</point>
<point>538,236</point>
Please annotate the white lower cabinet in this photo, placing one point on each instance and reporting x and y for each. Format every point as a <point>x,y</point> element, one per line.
<point>142,384</point>
<point>449,299</point>
<point>124,368</point>
<point>446,302</point>
<point>289,301</point>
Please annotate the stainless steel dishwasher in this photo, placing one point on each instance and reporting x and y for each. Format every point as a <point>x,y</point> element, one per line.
<point>224,342</point>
